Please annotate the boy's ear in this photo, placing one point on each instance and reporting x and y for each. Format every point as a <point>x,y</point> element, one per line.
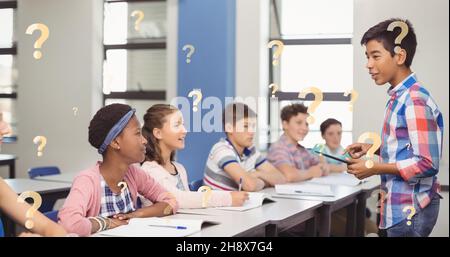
<point>157,133</point>
<point>401,57</point>
<point>229,128</point>
<point>284,124</point>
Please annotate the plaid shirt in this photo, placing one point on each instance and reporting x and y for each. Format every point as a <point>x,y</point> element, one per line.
<point>412,139</point>
<point>112,203</point>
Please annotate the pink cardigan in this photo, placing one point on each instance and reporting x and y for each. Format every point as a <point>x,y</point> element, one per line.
<point>185,199</point>
<point>84,198</point>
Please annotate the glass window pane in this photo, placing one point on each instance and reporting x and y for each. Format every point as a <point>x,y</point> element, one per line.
<point>127,70</point>
<point>119,27</point>
<point>141,106</point>
<point>8,74</point>
<point>327,67</point>
<point>316,17</point>
<point>9,107</point>
<point>6,27</point>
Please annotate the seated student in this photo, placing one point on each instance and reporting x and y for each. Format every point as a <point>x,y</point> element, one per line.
<point>234,160</point>
<point>5,129</point>
<point>96,202</point>
<point>331,130</point>
<point>287,155</point>
<point>164,130</point>
<point>12,208</point>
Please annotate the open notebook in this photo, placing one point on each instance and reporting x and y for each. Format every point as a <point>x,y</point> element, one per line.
<point>157,227</point>
<point>304,189</point>
<point>255,200</point>
<point>338,179</point>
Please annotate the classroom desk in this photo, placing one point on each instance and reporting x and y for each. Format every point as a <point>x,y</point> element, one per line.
<point>47,190</point>
<point>345,196</point>
<point>63,177</point>
<point>367,188</point>
<point>265,220</point>
<point>10,160</point>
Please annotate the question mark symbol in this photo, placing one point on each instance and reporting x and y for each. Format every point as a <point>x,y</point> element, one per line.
<point>277,54</point>
<point>274,88</point>
<point>44,35</point>
<point>168,210</point>
<point>137,23</point>
<point>206,190</point>
<point>410,215</point>
<point>37,201</point>
<point>354,96</point>
<point>123,185</point>
<point>190,52</point>
<point>198,93</point>
<point>43,141</point>
<point>376,143</point>
<point>75,110</point>
<point>401,36</point>
<point>381,195</point>
<point>318,97</point>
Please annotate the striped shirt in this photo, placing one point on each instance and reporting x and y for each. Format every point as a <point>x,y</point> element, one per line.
<point>222,154</point>
<point>412,139</point>
<point>295,155</point>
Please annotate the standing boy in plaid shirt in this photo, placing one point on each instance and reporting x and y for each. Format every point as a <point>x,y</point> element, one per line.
<point>411,136</point>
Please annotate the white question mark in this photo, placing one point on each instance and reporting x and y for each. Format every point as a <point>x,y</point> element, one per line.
<point>137,23</point>
<point>318,97</point>
<point>37,201</point>
<point>376,143</point>
<point>354,96</point>
<point>44,35</point>
<point>198,93</point>
<point>206,190</point>
<point>274,88</point>
<point>123,185</point>
<point>75,110</point>
<point>43,142</point>
<point>401,36</point>
<point>190,52</point>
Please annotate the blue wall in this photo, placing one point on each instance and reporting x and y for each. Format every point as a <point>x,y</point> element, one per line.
<point>208,25</point>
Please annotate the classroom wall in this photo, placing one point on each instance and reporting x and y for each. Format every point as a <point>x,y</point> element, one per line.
<point>431,62</point>
<point>68,75</point>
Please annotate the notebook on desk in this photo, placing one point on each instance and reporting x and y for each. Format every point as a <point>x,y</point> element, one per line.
<point>158,227</point>
<point>303,189</point>
<point>343,178</point>
<point>255,200</point>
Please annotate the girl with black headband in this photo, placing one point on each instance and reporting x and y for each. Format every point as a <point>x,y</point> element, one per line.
<point>105,195</point>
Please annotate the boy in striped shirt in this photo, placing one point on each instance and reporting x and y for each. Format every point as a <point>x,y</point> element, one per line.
<point>233,162</point>
<point>411,136</point>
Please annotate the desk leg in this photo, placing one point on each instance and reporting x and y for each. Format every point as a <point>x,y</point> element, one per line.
<point>12,169</point>
<point>351,219</point>
<point>361,214</point>
<point>325,221</point>
<point>271,230</point>
<point>311,227</point>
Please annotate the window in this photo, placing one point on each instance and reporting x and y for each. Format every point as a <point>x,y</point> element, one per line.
<point>8,70</point>
<point>134,70</point>
<point>318,52</point>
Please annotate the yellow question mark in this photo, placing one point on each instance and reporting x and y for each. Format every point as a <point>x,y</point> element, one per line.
<point>37,201</point>
<point>410,215</point>
<point>354,96</point>
<point>277,54</point>
<point>190,52</point>
<point>401,36</point>
<point>123,185</point>
<point>382,196</point>
<point>75,110</point>
<point>168,210</point>
<point>318,97</point>
<point>43,142</point>
<point>207,194</point>
<point>137,23</point>
<point>199,95</point>
<point>44,35</point>
<point>376,143</point>
<point>274,88</point>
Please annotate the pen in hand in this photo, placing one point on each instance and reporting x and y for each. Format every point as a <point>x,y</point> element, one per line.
<point>240,184</point>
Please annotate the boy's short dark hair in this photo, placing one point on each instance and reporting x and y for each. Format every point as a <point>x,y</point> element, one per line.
<point>327,123</point>
<point>292,110</point>
<point>380,33</point>
<point>235,112</point>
